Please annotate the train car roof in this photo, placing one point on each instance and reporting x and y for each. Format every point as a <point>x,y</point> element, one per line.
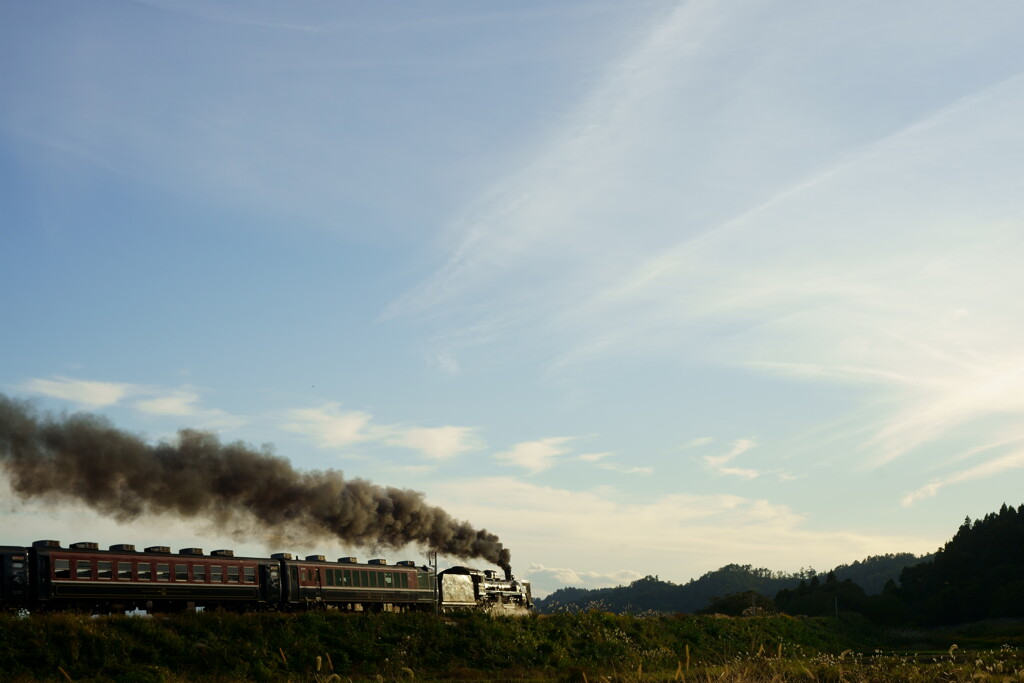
<point>128,550</point>
<point>348,562</point>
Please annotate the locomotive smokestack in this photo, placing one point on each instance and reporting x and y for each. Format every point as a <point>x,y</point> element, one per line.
<point>85,458</point>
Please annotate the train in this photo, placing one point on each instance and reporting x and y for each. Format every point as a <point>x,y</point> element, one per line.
<point>82,577</point>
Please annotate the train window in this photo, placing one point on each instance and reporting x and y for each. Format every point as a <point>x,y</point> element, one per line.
<point>181,572</point>
<point>250,574</point>
<point>163,572</point>
<point>124,571</point>
<point>404,580</point>
<point>83,569</point>
<point>104,570</point>
<point>62,569</point>
<point>346,577</point>
<point>421,580</point>
<point>199,573</point>
<point>373,579</point>
<point>364,578</point>
<point>330,577</point>
<point>216,574</point>
<point>232,574</point>
<point>145,571</point>
<point>388,580</point>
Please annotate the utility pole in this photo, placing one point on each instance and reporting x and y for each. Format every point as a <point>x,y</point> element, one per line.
<point>437,589</point>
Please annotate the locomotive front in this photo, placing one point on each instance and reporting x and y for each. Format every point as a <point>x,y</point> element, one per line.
<point>467,588</point>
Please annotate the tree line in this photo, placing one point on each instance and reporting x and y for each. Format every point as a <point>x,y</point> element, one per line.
<point>978,574</point>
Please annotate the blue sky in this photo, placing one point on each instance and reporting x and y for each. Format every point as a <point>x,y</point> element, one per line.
<point>643,288</point>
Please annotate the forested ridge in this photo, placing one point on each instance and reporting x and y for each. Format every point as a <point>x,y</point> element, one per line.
<point>978,574</point>
<point>652,594</point>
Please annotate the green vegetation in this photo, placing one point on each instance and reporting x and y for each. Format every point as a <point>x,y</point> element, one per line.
<point>592,646</point>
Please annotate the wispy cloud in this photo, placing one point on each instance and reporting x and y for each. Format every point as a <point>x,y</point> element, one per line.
<point>696,443</point>
<point>600,460</point>
<point>996,466</point>
<point>147,399</point>
<point>580,578</point>
<point>626,469</point>
<point>85,393</point>
<point>330,426</point>
<point>963,396</point>
<point>174,403</point>
<point>535,456</point>
<point>762,226</point>
<point>718,462</point>
<point>531,215</point>
<point>188,403</point>
<point>438,443</point>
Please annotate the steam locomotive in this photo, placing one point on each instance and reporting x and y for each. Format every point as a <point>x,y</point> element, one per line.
<point>82,577</point>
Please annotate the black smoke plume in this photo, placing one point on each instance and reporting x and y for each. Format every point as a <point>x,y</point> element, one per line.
<point>85,458</point>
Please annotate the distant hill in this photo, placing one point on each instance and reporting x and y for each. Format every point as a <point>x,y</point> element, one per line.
<point>650,594</point>
<point>977,575</point>
<point>873,572</point>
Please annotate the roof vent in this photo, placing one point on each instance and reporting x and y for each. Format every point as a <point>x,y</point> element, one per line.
<point>378,561</point>
<point>158,549</point>
<point>281,556</point>
<point>223,553</point>
<point>348,560</point>
<point>85,545</point>
<point>190,551</point>
<point>46,544</point>
<point>406,563</point>
<point>123,548</point>
<point>315,558</point>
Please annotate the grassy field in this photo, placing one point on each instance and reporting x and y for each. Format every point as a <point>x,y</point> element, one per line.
<point>588,647</point>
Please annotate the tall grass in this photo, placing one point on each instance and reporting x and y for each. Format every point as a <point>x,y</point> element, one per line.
<point>591,647</point>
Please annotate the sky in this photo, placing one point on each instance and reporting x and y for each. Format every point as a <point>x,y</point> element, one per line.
<point>644,288</point>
